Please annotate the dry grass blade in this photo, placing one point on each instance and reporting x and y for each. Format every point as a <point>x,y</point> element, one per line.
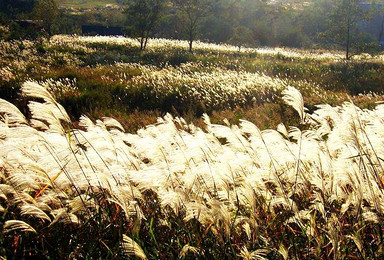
<point>48,185</point>
<point>358,242</point>
<point>186,249</point>
<point>283,251</point>
<point>17,225</point>
<point>131,248</point>
<point>258,254</point>
<point>293,98</point>
<point>14,116</point>
<point>33,89</point>
<point>113,123</point>
<point>247,230</point>
<point>33,211</point>
<point>61,216</point>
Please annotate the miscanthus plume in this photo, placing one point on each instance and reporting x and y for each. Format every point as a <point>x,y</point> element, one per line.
<point>246,188</point>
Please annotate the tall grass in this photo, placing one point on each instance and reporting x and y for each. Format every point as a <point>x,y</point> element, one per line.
<point>110,76</point>
<point>174,190</point>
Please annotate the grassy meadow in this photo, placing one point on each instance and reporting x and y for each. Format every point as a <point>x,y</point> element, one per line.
<point>251,153</point>
<point>75,4</point>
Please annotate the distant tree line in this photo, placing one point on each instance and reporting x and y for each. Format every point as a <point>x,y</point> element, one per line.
<point>292,23</point>
<point>31,18</point>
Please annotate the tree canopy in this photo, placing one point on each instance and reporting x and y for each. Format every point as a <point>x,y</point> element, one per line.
<point>142,16</point>
<point>338,24</point>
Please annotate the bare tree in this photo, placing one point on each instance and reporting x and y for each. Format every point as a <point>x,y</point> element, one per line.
<point>242,36</point>
<point>343,22</point>
<point>192,12</point>
<point>142,17</point>
<point>380,11</point>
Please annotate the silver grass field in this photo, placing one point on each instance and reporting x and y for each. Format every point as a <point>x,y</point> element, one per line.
<point>175,190</point>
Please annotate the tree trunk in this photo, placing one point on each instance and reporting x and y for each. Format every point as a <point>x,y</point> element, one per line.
<point>146,40</point>
<point>190,46</point>
<point>141,43</point>
<point>48,27</point>
<point>190,40</point>
<point>381,30</point>
<point>192,23</point>
<point>348,40</point>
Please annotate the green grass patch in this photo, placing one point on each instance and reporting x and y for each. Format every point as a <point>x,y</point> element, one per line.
<point>85,3</point>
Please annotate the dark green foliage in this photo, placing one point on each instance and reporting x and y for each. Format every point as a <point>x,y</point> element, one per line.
<point>97,238</point>
<point>142,17</point>
<point>45,11</point>
<point>342,25</point>
<point>191,13</point>
<point>14,8</point>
